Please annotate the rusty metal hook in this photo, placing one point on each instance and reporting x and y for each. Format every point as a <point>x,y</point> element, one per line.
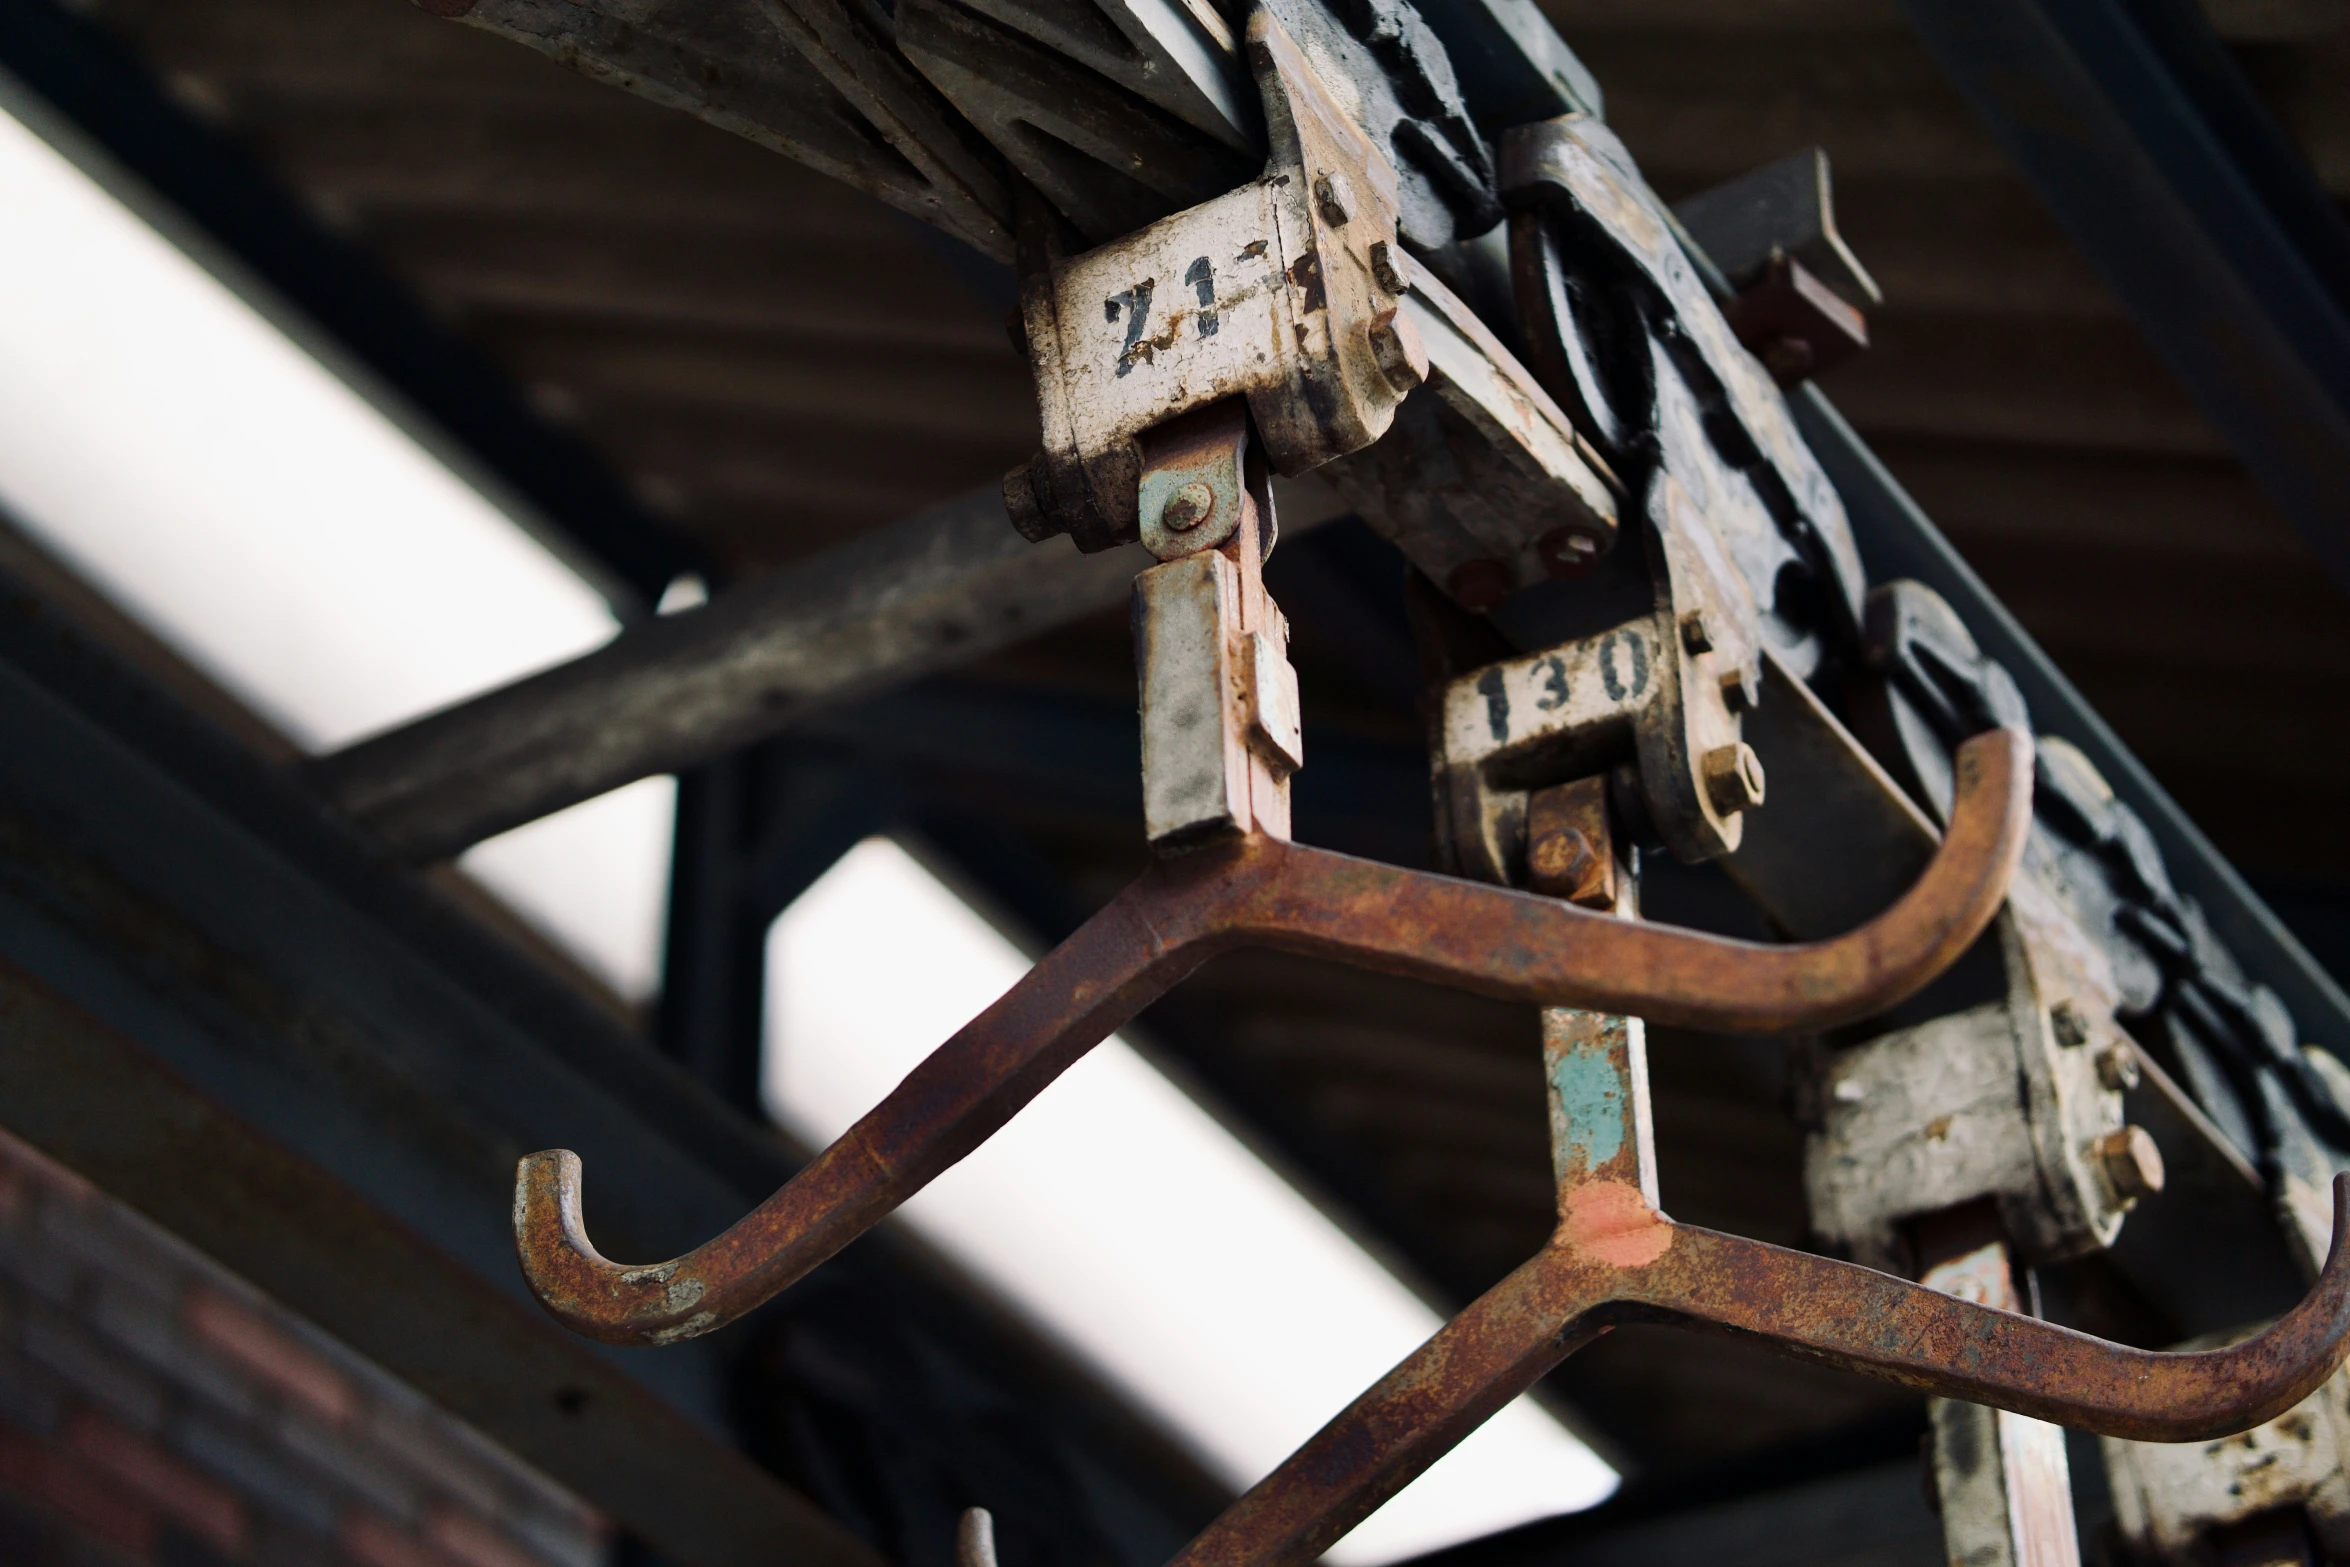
<point>1615,1259</point>
<point>1262,891</point>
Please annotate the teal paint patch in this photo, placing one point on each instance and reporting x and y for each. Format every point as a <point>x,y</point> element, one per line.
<point>1590,1099</point>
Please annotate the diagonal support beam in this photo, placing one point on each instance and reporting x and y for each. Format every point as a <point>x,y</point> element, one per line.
<point>942,588</point>
<point>952,584</point>
<point>2137,131</point>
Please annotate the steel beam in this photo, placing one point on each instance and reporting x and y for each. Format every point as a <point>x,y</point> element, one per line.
<point>2141,137</point>
<point>220,1007</point>
<point>947,586</point>
<point>673,693</point>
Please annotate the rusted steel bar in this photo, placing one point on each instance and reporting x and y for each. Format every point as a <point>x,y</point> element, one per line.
<point>1259,891</point>
<point>950,584</point>
<point>1615,1259</point>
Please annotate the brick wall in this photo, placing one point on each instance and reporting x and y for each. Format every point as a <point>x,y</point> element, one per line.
<point>155,1412</point>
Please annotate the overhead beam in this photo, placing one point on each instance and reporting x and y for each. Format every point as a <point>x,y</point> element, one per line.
<point>948,586</point>
<point>951,584</point>
<point>2137,131</point>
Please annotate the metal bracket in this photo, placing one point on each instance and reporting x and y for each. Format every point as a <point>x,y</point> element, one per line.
<point>1294,294</point>
<point>1661,696</point>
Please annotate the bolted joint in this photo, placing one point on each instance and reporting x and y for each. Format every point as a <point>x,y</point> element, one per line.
<point>1188,507</point>
<point>1733,778</point>
<point>1570,844</point>
<point>1400,354</point>
<point>2117,1068</point>
<point>2131,1163</point>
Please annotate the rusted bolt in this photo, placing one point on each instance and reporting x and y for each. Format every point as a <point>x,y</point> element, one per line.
<point>2065,1021</point>
<point>1733,777</point>
<point>1741,692</point>
<point>2117,1068</point>
<point>2132,1164</point>
<point>1335,198</point>
<point>1570,552</point>
<point>1696,635</point>
<point>1386,270</point>
<point>1188,507</point>
<point>1561,859</point>
<point>1480,584</point>
<point>1396,347</point>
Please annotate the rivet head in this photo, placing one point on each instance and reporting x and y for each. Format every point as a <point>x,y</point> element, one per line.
<point>1188,507</point>
<point>1733,778</point>
<point>2132,1164</point>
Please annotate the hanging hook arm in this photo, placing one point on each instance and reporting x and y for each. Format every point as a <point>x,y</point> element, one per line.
<point>1261,891</point>
<point>1615,1260</point>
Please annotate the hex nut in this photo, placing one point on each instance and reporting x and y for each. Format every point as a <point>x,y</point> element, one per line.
<point>1384,269</point>
<point>1696,635</point>
<point>1560,856</point>
<point>1741,691</point>
<point>2117,1068</point>
<point>2071,1029</point>
<point>2131,1162</point>
<point>1188,507</point>
<point>1733,778</point>
<point>1398,351</point>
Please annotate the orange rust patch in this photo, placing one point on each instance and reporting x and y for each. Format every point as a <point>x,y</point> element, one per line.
<point>1610,1222</point>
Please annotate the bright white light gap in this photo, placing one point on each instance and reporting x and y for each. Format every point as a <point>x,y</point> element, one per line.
<point>251,509</point>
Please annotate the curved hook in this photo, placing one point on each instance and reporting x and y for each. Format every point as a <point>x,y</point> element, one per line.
<point>1264,892</point>
<point>1615,1259</point>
